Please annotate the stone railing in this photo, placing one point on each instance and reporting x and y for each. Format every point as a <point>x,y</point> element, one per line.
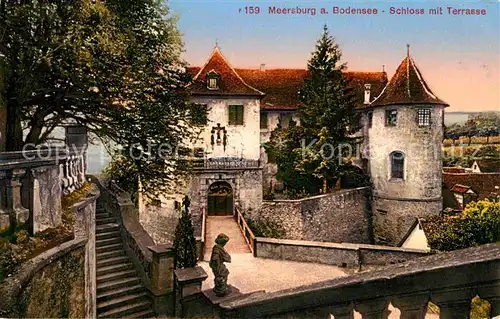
<point>200,240</point>
<point>449,280</point>
<point>154,262</point>
<point>30,189</point>
<point>44,288</point>
<point>245,230</point>
<point>225,163</point>
<point>72,170</point>
<point>339,254</point>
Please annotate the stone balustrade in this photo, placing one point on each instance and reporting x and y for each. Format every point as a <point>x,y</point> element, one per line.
<point>32,183</point>
<point>450,280</point>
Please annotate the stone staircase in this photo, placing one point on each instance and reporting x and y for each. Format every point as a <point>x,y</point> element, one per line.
<point>120,293</point>
<point>228,226</point>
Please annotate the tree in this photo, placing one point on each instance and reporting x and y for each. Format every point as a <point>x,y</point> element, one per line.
<point>327,119</point>
<point>112,66</point>
<point>479,223</point>
<point>184,241</point>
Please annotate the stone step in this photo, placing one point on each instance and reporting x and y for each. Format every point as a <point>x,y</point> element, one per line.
<point>115,293</point>
<point>116,275</point>
<point>108,220</point>
<point>110,254</point>
<point>120,301</point>
<point>108,241</point>
<point>110,234</point>
<point>113,268</point>
<point>143,314</point>
<point>99,229</point>
<point>112,285</point>
<point>108,248</point>
<point>127,310</point>
<point>112,261</point>
<point>102,215</point>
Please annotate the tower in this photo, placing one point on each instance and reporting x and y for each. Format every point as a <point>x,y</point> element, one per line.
<point>405,129</point>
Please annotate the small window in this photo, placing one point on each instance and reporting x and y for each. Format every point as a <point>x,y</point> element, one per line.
<point>397,165</point>
<point>263,120</point>
<point>424,117</point>
<point>391,117</point>
<point>369,116</point>
<point>212,80</point>
<point>284,119</point>
<point>235,115</point>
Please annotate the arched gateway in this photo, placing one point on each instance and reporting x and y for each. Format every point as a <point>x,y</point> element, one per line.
<point>220,199</point>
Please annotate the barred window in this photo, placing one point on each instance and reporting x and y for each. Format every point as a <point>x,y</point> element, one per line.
<point>397,165</point>
<point>391,117</point>
<point>424,117</point>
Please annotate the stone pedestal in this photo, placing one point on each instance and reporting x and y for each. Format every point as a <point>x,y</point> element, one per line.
<point>188,283</point>
<point>162,279</point>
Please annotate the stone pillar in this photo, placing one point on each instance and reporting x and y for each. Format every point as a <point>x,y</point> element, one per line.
<point>5,223</point>
<point>162,279</point>
<point>412,307</point>
<point>376,309</point>
<point>14,205</point>
<point>188,283</point>
<point>454,304</point>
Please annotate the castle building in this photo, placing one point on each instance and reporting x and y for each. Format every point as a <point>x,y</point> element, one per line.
<point>402,129</point>
<point>245,106</point>
<point>403,132</point>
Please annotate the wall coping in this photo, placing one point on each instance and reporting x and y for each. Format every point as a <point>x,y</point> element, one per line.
<point>300,200</point>
<point>12,286</point>
<point>434,265</point>
<point>345,246</point>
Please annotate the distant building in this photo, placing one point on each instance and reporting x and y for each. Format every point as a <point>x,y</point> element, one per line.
<point>462,188</point>
<point>486,165</point>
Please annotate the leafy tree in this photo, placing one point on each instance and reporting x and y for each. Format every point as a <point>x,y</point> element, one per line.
<point>308,155</point>
<point>184,241</point>
<point>478,224</point>
<point>112,66</point>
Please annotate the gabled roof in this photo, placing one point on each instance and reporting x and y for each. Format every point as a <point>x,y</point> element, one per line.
<point>489,165</point>
<point>281,86</point>
<point>483,184</point>
<point>407,86</point>
<point>459,188</point>
<point>229,83</point>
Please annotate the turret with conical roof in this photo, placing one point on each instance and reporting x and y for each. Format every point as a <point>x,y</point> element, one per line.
<point>404,131</point>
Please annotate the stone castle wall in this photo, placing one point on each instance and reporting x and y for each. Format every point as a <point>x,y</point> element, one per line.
<point>342,216</point>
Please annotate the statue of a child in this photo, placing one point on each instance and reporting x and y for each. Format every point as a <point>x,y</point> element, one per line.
<point>219,256</point>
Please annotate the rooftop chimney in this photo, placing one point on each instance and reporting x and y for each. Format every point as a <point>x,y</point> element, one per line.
<point>262,67</point>
<point>367,93</point>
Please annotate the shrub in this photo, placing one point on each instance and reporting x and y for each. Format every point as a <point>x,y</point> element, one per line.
<point>184,241</point>
<point>265,227</point>
<point>478,224</point>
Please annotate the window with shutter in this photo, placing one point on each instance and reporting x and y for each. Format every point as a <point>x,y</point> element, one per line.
<point>263,120</point>
<point>235,115</point>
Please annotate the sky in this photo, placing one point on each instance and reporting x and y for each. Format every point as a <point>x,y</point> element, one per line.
<point>458,55</point>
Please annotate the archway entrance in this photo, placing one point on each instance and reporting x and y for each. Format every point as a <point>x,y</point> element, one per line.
<point>220,199</point>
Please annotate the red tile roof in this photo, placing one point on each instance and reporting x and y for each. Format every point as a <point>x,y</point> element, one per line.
<point>483,184</point>
<point>280,86</point>
<point>454,170</point>
<point>457,188</point>
<point>229,83</point>
<point>407,86</point>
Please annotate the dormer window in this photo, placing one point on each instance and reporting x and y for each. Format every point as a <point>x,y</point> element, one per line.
<point>212,80</point>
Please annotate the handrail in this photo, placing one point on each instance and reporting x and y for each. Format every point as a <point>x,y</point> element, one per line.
<point>245,230</point>
<point>203,225</point>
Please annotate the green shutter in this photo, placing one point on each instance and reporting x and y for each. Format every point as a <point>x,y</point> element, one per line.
<point>235,114</point>
<point>240,114</point>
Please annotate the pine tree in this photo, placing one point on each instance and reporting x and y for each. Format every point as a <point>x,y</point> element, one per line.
<point>327,119</point>
<point>184,241</point>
